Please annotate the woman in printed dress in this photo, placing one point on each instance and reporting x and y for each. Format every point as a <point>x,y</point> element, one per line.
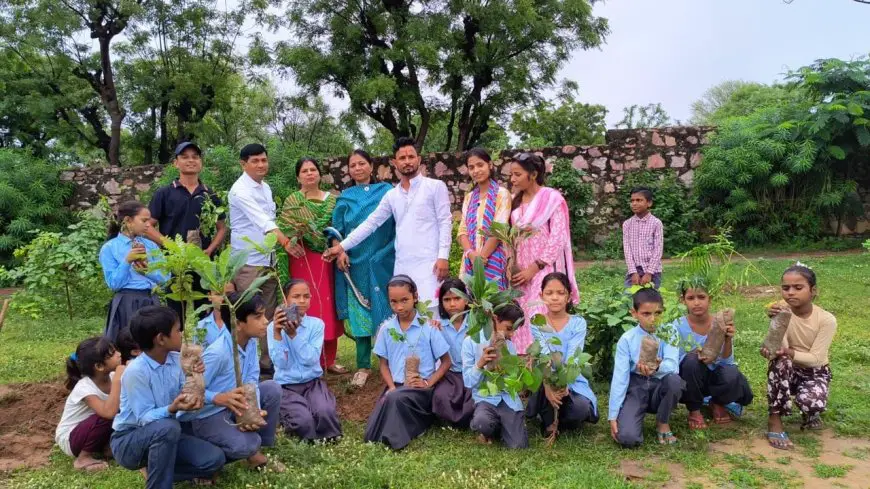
<point>544,212</point>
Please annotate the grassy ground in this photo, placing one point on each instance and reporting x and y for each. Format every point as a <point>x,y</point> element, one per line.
<point>30,351</point>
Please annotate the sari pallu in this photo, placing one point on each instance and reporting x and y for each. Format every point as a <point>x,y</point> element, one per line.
<point>371,262</point>
<point>306,219</point>
<point>547,215</point>
<point>477,226</point>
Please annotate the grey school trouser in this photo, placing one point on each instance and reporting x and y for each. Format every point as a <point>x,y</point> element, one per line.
<point>500,421</point>
<point>646,395</point>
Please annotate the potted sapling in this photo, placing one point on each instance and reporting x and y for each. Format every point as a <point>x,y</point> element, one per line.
<point>412,359</point>
<point>181,260</point>
<point>665,329</point>
<point>780,318</point>
<point>555,371</point>
<point>216,275</point>
<point>510,237</point>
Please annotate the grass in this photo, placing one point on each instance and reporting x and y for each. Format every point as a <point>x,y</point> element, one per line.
<point>35,350</point>
<point>825,471</point>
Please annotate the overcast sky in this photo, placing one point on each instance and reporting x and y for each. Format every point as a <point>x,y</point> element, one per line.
<point>671,51</point>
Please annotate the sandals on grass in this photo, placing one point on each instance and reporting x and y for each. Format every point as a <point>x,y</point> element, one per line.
<point>779,440</point>
<point>666,438</point>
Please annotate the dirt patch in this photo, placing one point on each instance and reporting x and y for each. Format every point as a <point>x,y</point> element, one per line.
<point>849,453</point>
<point>355,404</point>
<point>759,292</point>
<point>656,473</point>
<point>28,416</point>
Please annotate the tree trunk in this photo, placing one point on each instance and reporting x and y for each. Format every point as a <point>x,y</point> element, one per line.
<point>109,95</point>
<point>163,154</point>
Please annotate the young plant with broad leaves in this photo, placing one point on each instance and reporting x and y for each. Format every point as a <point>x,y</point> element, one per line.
<point>412,359</point>
<point>549,364</point>
<point>510,237</point>
<point>267,247</point>
<point>216,275</point>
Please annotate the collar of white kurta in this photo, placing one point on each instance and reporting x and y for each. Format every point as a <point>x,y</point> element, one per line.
<point>414,183</point>
<point>250,182</point>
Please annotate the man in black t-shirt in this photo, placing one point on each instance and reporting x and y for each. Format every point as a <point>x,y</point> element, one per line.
<point>176,208</point>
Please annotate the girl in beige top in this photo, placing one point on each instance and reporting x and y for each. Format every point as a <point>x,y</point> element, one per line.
<point>800,367</point>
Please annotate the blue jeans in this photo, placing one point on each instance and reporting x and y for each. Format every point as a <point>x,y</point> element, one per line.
<point>238,445</point>
<point>169,455</point>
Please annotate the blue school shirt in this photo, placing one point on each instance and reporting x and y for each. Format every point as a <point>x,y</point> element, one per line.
<point>627,353</point>
<point>121,275</point>
<point>210,331</point>
<point>147,390</point>
<point>697,341</point>
<point>425,340</point>
<point>297,360</point>
<point>220,374</point>
<point>573,338</point>
<point>454,340</point>
<point>473,376</point>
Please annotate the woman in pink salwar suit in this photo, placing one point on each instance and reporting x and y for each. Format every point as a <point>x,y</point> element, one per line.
<point>543,210</point>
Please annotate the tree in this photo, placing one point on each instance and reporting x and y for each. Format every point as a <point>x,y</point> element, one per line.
<point>739,98</point>
<point>642,116</point>
<point>52,30</point>
<point>398,62</point>
<point>569,122</point>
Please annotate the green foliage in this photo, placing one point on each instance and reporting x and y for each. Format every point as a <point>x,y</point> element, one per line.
<point>62,268</point>
<point>866,245</point>
<point>788,171</point>
<point>642,116</point>
<point>456,253</point>
<point>510,375</point>
<point>401,63</point>
<point>210,214</point>
<point>673,203</point>
<point>569,122</point>
<point>548,362</point>
<point>32,199</point>
<point>484,299</point>
<point>578,195</point>
<point>735,98</point>
<point>180,260</point>
<point>711,266</point>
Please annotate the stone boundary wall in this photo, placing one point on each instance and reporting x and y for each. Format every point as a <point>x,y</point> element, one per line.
<point>676,149</point>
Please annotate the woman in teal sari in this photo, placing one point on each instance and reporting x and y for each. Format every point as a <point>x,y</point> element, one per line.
<point>370,264</point>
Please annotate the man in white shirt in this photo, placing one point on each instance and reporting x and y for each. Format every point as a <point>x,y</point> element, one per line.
<point>420,207</point>
<point>252,215</point>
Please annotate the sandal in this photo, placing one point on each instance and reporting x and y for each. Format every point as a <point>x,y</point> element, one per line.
<point>666,438</point>
<point>359,379</point>
<point>696,421</point>
<point>812,422</point>
<point>337,369</point>
<point>720,414</point>
<point>779,440</point>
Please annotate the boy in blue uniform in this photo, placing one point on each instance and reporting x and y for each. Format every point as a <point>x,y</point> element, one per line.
<point>637,389</point>
<point>224,401</point>
<point>146,431</point>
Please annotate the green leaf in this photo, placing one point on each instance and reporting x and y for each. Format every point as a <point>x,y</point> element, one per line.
<point>863,135</point>
<point>538,320</point>
<point>837,152</point>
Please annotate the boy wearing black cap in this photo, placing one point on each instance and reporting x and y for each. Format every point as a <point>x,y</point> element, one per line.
<point>176,208</point>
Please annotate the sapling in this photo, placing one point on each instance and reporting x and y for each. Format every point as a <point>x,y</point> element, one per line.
<point>412,359</point>
<point>181,260</point>
<point>555,371</point>
<point>777,329</point>
<point>216,275</point>
<point>716,336</point>
<point>510,237</point>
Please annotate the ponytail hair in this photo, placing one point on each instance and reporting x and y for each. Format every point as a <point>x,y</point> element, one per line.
<point>127,209</point>
<point>83,363</point>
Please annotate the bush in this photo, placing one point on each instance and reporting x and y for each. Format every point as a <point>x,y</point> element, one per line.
<point>673,203</point>
<point>62,270</point>
<point>578,195</point>
<point>32,198</point>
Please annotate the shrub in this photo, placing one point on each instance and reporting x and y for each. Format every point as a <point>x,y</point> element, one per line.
<point>32,198</point>
<point>62,270</point>
<point>673,203</point>
<point>578,195</point>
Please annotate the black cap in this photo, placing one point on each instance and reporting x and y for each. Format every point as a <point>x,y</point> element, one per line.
<point>187,144</point>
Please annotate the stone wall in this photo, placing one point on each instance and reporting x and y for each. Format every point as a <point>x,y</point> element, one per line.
<point>676,149</point>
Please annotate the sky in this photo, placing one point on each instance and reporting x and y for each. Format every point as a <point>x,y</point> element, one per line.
<point>671,51</point>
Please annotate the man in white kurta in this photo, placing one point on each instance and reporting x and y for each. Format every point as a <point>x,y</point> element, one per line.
<point>420,207</point>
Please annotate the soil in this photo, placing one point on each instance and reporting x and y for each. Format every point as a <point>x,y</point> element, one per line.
<point>845,452</point>
<point>28,416</point>
<point>759,292</point>
<point>355,404</point>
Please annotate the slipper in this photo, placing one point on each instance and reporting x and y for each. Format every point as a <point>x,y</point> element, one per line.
<point>337,369</point>
<point>779,440</point>
<point>812,422</point>
<point>721,415</point>
<point>696,421</point>
<point>666,438</point>
<point>735,409</point>
<point>359,379</point>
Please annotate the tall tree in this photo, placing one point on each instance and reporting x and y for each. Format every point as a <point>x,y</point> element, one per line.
<point>642,116</point>
<point>713,99</point>
<point>560,122</point>
<point>736,99</point>
<point>400,61</point>
<point>53,30</point>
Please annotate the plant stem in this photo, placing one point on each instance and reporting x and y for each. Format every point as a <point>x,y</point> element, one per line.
<point>237,367</point>
<point>69,307</point>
